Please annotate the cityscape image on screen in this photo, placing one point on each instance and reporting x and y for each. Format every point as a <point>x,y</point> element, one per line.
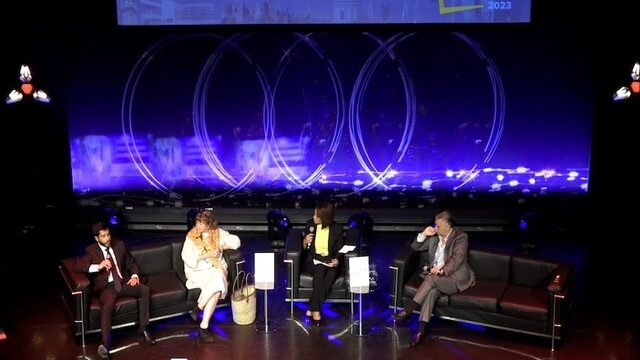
<point>225,12</point>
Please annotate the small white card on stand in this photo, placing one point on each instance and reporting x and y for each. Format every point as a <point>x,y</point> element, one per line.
<point>359,272</point>
<point>264,275</point>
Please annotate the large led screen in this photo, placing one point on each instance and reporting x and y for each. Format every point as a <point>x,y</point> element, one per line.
<point>350,112</point>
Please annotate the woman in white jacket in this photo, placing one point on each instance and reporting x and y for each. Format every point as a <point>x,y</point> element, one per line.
<point>205,267</point>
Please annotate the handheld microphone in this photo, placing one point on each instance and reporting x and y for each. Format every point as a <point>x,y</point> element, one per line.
<point>310,231</point>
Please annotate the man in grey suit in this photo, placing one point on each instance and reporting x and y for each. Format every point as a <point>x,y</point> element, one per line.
<point>444,248</point>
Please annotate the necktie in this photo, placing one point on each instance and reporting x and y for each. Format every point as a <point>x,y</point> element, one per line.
<point>114,275</point>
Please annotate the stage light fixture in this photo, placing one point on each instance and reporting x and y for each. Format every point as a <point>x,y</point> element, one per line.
<point>622,94</point>
<point>529,227</point>
<point>26,89</point>
<point>113,217</point>
<point>41,96</point>
<point>635,71</point>
<point>278,226</point>
<point>25,74</point>
<point>363,222</point>
<point>625,92</point>
<point>14,97</point>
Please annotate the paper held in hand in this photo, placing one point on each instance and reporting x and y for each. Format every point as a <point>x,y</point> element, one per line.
<point>327,264</point>
<point>346,248</point>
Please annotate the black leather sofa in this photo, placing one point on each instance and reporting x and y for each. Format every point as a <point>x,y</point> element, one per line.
<point>513,292</point>
<point>161,268</point>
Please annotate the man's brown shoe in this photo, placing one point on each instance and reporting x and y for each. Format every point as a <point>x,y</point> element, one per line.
<point>417,339</point>
<point>402,315</point>
<point>148,338</point>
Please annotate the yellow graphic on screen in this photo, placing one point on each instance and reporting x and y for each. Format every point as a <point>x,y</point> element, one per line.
<point>452,9</point>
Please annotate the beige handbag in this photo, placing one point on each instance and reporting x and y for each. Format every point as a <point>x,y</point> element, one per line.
<point>243,299</point>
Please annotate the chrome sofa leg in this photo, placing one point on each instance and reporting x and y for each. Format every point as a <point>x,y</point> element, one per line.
<point>290,285</point>
<point>82,335</point>
<point>395,288</point>
<point>553,324</point>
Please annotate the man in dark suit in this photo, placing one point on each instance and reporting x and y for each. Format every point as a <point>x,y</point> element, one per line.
<point>115,273</point>
<point>444,248</point>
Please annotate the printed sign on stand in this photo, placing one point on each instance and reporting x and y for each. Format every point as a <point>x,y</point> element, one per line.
<point>264,264</point>
<point>359,274</point>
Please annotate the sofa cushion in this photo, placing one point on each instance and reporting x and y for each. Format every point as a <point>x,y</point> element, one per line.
<point>194,294</point>
<point>483,296</point>
<point>530,271</point>
<point>153,258</point>
<point>525,302</point>
<point>490,264</point>
<point>411,286</point>
<point>166,289</point>
<point>178,265</point>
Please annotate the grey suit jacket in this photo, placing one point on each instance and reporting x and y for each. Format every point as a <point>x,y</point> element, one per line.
<point>456,265</point>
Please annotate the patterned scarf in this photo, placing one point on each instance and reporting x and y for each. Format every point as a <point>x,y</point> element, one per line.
<point>208,244</point>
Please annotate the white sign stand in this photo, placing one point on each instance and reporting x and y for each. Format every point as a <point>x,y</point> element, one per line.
<point>359,284</point>
<point>264,270</point>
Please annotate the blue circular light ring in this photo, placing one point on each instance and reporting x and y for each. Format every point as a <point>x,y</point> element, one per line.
<point>199,104</point>
<point>127,106</point>
<point>498,98</point>
<point>288,172</point>
<point>497,126</point>
<point>384,50</point>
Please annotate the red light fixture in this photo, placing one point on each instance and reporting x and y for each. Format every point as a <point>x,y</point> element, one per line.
<point>26,89</point>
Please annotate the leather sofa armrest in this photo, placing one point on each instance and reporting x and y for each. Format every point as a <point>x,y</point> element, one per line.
<point>561,278</point>
<point>351,237</point>
<point>561,293</point>
<point>76,281</point>
<point>293,245</point>
<point>293,254</point>
<point>406,261</point>
<point>403,266</point>
<point>235,261</point>
<point>76,293</point>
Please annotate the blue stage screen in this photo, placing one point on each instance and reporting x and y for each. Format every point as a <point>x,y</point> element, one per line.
<point>349,112</point>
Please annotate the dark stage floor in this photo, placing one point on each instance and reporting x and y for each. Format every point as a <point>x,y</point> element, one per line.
<point>603,326</point>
